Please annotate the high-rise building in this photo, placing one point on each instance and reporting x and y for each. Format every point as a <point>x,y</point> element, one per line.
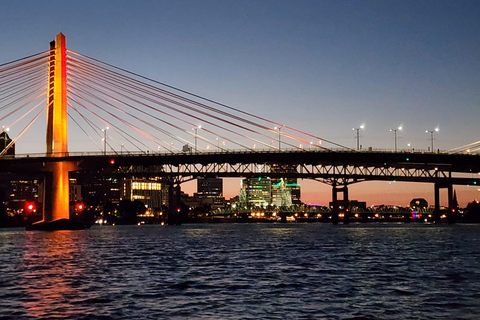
<point>23,190</point>
<point>210,191</point>
<point>99,187</point>
<point>258,191</point>
<point>262,192</point>
<point>152,192</point>
<point>75,193</point>
<point>285,192</point>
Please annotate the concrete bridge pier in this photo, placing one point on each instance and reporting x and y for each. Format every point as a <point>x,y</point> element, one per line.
<point>451,208</point>
<point>336,203</point>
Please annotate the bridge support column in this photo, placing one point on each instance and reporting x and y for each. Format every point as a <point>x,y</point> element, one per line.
<point>436,210</point>
<point>174,204</point>
<point>57,205</point>
<point>335,204</point>
<point>346,206</point>
<point>451,205</point>
<point>56,214</point>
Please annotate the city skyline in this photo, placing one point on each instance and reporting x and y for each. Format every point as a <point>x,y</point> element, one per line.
<point>325,67</point>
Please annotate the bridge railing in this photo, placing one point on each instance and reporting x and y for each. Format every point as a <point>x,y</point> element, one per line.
<point>229,151</point>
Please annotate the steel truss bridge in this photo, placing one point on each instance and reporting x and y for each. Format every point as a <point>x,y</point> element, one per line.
<point>336,168</point>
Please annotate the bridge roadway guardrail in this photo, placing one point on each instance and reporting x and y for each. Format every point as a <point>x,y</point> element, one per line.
<point>229,151</point>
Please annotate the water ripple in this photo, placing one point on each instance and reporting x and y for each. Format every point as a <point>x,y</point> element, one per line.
<point>242,271</point>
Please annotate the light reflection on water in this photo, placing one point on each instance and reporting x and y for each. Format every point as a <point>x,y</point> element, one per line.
<point>242,271</point>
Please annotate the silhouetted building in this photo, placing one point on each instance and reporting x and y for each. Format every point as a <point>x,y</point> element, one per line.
<point>418,203</point>
<point>210,191</point>
<point>22,191</point>
<point>99,187</point>
<point>352,204</point>
<point>4,142</point>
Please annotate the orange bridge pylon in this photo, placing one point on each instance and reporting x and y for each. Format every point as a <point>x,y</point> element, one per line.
<point>56,210</point>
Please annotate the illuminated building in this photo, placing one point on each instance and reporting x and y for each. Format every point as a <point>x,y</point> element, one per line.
<point>153,193</point>
<point>24,190</point>
<point>285,192</point>
<point>257,191</point>
<point>75,193</point>
<point>262,192</point>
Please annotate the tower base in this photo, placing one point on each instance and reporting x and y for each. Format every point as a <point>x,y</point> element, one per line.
<point>61,224</point>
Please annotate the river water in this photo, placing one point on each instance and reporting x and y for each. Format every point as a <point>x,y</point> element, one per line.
<point>242,271</point>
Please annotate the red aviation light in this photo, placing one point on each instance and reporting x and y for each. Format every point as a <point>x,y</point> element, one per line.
<point>30,207</point>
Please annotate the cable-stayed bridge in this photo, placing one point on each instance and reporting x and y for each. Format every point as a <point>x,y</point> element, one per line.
<point>121,120</point>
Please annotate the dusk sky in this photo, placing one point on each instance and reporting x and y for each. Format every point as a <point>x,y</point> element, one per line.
<point>324,67</point>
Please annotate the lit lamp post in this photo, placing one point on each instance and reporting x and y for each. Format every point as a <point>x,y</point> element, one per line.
<point>195,129</point>
<point>279,137</point>
<point>105,140</point>
<point>358,135</point>
<point>431,136</point>
<point>395,135</point>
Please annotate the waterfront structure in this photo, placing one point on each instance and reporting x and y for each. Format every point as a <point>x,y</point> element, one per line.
<point>353,205</point>
<point>418,203</point>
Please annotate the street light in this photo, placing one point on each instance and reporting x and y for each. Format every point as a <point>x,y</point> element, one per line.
<point>358,135</point>
<point>431,135</point>
<point>279,137</point>
<point>395,135</point>
<point>196,128</point>
<point>105,140</point>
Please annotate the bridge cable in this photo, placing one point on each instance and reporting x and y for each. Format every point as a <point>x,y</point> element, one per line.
<point>211,101</point>
<point>204,106</point>
<point>191,124</point>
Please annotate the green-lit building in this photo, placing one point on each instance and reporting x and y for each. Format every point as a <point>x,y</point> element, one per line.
<point>285,192</point>
<point>263,191</point>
